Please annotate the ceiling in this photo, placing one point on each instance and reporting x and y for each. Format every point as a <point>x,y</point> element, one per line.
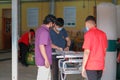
<point>5,1</point>
<point>56,0</point>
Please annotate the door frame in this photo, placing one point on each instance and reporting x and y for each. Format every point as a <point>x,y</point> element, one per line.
<point>3,28</point>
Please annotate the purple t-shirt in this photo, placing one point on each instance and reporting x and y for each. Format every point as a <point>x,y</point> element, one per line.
<point>42,37</point>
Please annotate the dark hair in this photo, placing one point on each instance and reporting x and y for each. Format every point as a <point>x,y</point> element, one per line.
<point>59,22</point>
<point>49,18</point>
<point>92,18</point>
<point>32,30</point>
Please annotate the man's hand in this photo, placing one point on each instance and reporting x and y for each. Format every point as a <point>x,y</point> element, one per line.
<point>85,58</point>
<point>66,49</point>
<point>47,64</point>
<point>59,49</point>
<point>118,58</point>
<point>84,73</point>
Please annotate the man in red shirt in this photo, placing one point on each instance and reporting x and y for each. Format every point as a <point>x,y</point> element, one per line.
<point>24,42</point>
<point>95,44</point>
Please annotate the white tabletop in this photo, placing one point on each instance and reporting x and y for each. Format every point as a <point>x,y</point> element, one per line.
<point>70,54</point>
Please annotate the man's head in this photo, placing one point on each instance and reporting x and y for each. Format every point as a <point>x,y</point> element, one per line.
<point>49,20</point>
<point>59,24</point>
<point>90,22</point>
<point>32,31</point>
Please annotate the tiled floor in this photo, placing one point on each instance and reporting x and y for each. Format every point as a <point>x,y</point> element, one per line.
<point>24,73</point>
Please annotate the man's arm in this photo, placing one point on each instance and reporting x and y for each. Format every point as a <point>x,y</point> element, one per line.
<point>85,58</point>
<point>118,58</point>
<point>43,52</point>
<point>56,47</point>
<point>29,36</point>
<point>68,43</point>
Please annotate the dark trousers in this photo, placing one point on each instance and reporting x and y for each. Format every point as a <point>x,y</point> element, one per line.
<point>23,52</point>
<point>55,69</point>
<point>94,74</point>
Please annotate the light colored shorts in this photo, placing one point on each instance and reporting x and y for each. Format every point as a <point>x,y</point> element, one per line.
<point>43,73</point>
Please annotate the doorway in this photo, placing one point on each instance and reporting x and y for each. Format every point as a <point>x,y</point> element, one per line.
<point>6,28</point>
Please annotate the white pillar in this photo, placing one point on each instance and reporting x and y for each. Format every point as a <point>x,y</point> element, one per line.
<point>118,21</point>
<point>14,39</point>
<point>106,21</point>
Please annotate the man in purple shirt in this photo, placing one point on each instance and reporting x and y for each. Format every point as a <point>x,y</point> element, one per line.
<point>43,51</point>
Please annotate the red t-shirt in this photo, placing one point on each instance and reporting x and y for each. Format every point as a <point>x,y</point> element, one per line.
<point>25,38</point>
<point>96,41</point>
